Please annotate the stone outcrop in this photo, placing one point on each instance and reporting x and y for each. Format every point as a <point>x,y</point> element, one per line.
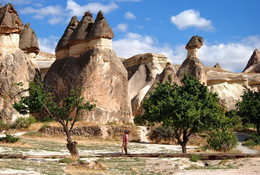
<point>168,73</point>
<point>230,86</point>
<point>142,71</point>
<point>253,65</point>
<point>28,40</point>
<point>100,72</point>
<point>85,35</point>
<point>9,20</point>
<point>15,64</point>
<point>192,65</point>
<point>217,66</point>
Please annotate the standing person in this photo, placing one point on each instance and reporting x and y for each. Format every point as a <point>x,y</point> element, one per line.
<point>125,141</point>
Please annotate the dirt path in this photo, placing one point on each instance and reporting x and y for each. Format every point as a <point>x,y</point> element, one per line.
<point>241,137</point>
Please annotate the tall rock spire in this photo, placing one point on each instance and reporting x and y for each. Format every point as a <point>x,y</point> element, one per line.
<point>82,29</point>
<point>63,42</point>
<point>28,40</point>
<point>100,29</point>
<point>192,65</point>
<point>10,22</point>
<point>253,64</point>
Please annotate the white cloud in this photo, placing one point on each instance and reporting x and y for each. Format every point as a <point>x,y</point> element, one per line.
<point>45,11</point>
<point>134,43</point>
<point>121,27</point>
<point>79,10</point>
<point>48,44</point>
<point>191,18</point>
<point>231,56</point>
<point>129,15</point>
<point>56,20</point>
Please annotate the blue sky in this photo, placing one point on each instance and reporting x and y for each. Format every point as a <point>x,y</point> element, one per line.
<point>230,28</point>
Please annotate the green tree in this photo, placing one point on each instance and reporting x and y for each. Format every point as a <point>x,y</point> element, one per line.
<point>249,108</point>
<point>64,109</point>
<point>188,109</point>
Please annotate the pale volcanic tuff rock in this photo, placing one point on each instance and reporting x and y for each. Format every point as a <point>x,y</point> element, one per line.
<point>192,65</point>
<point>230,86</point>
<point>15,64</point>
<point>142,71</point>
<point>168,73</point>
<point>103,75</point>
<point>253,65</point>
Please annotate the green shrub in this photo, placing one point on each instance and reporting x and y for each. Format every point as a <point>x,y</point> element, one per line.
<point>161,133</point>
<point>45,119</point>
<point>222,140</point>
<point>23,122</point>
<point>253,140</point>
<point>4,126</point>
<point>194,157</point>
<point>9,139</point>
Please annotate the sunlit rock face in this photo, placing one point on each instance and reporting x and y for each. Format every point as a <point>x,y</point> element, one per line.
<point>253,65</point>
<point>91,60</point>
<point>142,71</point>
<point>18,48</point>
<point>192,65</point>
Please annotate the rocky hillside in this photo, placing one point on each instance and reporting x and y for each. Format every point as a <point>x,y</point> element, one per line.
<point>84,55</point>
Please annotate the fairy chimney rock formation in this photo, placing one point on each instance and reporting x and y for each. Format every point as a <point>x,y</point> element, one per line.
<point>253,65</point>
<point>217,66</point>
<point>92,62</point>
<point>86,35</point>
<point>15,64</point>
<point>62,48</point>
<point>9,20</point>
<point>28,40</point>
<point>192,65</point>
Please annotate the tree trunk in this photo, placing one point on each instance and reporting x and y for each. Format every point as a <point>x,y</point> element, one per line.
<point>71,145</point>
<point>183,147</point>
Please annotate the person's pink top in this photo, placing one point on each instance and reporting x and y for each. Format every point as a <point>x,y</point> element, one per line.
<point>125,138</point>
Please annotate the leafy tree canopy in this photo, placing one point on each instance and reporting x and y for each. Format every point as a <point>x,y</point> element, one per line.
<point>188,109</point>
<point>249,108</point>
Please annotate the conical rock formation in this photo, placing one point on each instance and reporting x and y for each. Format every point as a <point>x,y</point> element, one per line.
<point>10,22</point>
<point>253,65</point>
<point>28,40</point>
<point>102,74</point>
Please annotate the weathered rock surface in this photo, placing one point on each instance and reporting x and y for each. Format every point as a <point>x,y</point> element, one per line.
<point>62,48</point>
<point>253,65</point>
<point>168,73</point>
<point>14,67</point>
<point>230,86</point>
<point>9,20</point>
<point>104,80</point>
<point>142,71</point>
<point>192,65</point>
<point>28,40</point>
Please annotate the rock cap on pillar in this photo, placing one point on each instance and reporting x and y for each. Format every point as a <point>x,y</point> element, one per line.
<point>28,40</point>
<point>10,22</point>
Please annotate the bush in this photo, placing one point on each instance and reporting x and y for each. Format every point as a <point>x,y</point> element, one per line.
<point>194,157</point>
<point>23,122</point>
<point>3,126</point>
<point>222,140</point>
<point>253,140</point>
<point>161,133</point>
<point>9,139</point>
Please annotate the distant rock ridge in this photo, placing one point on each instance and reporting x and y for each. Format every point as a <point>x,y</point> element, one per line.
<point>253,65</point>
<point>85,35</point>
